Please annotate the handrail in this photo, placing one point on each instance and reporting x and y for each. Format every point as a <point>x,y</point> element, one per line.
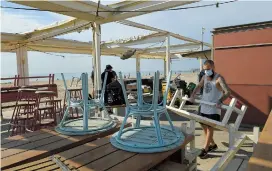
<point>16,78</point>
<point>11,78</point>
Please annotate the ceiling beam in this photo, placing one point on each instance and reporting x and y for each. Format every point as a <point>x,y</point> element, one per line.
<point>149,9</point>
<point>137,5</point>
<point>63,7</point>
<point>175,48</point>
<point>77,24</point>
<point>57,30</point>
<point>139,40</point>
<point>177,36</point>
<point>121,4</point>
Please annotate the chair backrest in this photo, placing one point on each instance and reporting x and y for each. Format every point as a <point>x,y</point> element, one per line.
<point>104,87</point>
<point>85,91</point>
<point>123,88</point>
<point>139,89</point>
<point>156,90</point>
<point>165,94</point>
<point>66,88</point>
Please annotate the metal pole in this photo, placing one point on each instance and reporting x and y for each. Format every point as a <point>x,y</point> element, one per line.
<point>98,57</point>
<point>138,63</point>
<point>202,34</point>
<point>168,58</point>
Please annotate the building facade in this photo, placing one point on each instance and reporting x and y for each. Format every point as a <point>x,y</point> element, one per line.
<point>243,55</point>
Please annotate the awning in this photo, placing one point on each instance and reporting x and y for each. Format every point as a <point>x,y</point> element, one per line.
<point>205,54</point>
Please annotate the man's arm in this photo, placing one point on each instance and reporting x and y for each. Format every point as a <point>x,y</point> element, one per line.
<point>198,87</point>
<point>225,88</point>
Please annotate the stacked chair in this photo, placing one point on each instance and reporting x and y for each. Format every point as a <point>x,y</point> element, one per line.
<point>147,139</point>
<point>34,110</point>
<point>95,116</point>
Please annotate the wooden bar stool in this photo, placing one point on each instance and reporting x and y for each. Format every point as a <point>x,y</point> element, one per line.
<point>75,94</point>
<point>57,107</point>
<point>45,112</point>
<point>22,119</point>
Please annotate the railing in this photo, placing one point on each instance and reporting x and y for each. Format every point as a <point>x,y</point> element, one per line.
<point>9,94</point>
<point>16,79</point>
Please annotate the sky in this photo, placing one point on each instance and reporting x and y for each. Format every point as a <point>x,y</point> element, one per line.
<point>188,23</point>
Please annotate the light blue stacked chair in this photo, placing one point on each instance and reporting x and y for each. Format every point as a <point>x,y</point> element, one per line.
<point>147,139</point>
<point>95,116</point>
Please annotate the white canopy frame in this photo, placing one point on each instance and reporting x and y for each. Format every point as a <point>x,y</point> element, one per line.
<point>42,39</point>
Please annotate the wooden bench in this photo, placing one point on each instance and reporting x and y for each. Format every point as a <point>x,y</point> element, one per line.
<point>33,146</point>
<point>100,155</point>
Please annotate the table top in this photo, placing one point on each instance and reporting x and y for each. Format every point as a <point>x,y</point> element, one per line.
<point>261,160</point>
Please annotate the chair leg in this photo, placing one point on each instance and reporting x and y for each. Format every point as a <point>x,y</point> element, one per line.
<point>158,129</point>
<point>123,125</point>
<point>138,121</point>
<point>169,120</point>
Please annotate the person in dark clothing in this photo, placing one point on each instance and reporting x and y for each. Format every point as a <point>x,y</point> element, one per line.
<point>92,76</point>
<point>110,78</point>
<point>201,74</point>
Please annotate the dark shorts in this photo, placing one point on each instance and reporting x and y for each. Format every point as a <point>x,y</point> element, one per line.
<point>215,117</point>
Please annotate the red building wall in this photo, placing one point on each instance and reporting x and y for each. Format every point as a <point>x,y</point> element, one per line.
<point>244,58</point>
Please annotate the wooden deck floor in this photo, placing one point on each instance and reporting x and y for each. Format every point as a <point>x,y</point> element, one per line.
<point>220,138</point>
<point>100,155</point>
<point>29,147</point>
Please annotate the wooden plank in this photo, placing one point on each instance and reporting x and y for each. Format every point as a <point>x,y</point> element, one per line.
<point>65,155</point>
<point>57,144</point>
<point>171,166</point>
<point>261,159</point>
<point>83,148</point>
<point>147,161</point>
<point>32,145</point>
<point>25,136</point>
<point>91,156</point>
<point>25,166</point>
<point>22,142</point>
<point>42,166</point>
<point>108,161</point>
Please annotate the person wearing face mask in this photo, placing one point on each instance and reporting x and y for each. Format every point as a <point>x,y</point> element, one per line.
<point>215,90</point>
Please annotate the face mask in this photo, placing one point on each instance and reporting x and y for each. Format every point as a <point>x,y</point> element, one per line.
<point>209,72</point>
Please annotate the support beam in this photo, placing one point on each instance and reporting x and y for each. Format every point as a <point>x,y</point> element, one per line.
<point>22,65</point>
<point>145,39</point>
<point>138,63</point>
<point>187,47</point>
<point>59,28</point>
<point>164,68</point>
<point>168,55</point>
<point>9,42</point>
<point>148,9</point>
<point>93,64</point>
<point>145,27</point>
<point>97,41</point>
<point>212,48</point>
<point>200,64</point>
